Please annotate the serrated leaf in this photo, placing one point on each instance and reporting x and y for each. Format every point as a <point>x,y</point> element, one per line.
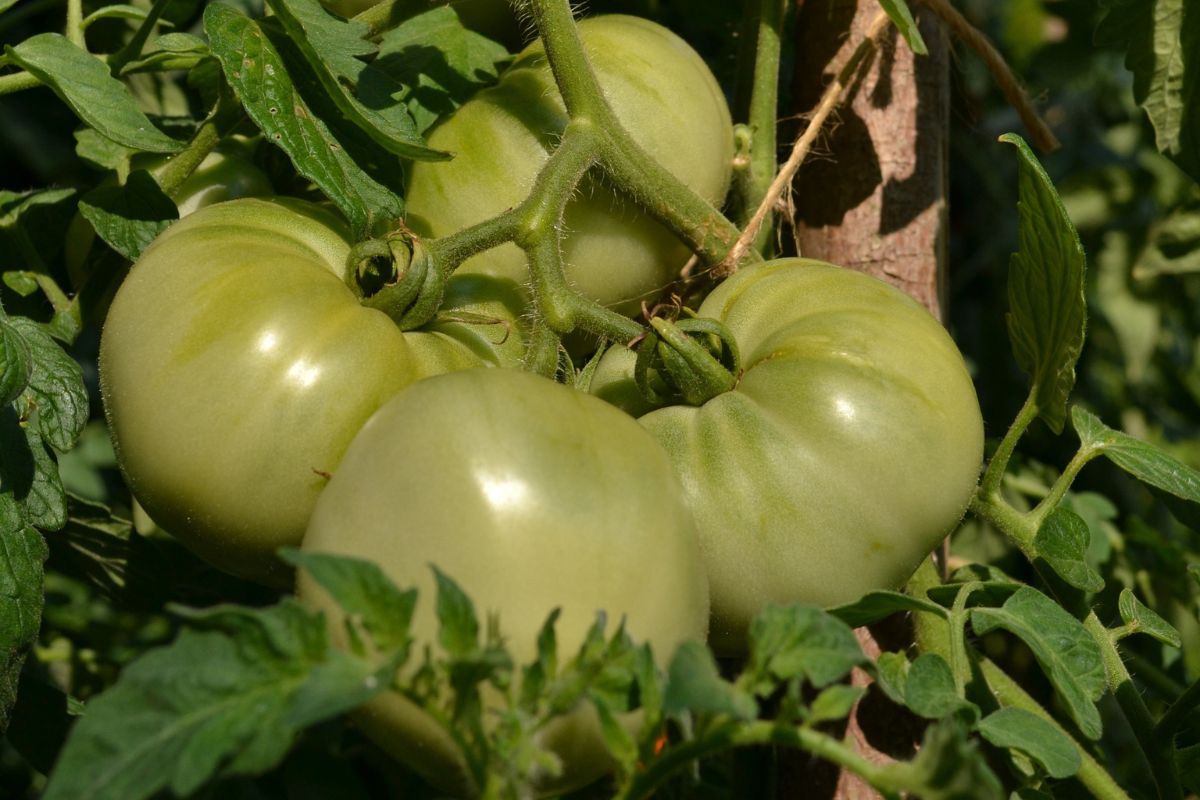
<point>929,689</point>
<point>97,98</point>
<point>55,399</point>
<point>789,642</point>
<point>1062,541</point>
<point>1144,620</point>
<point>440,63</point>
<point>227,701</point>
<point>29,475</point>
<point>16,363</point>
<point>902,18</point>
<point>458,631</point>
<point>1161,40</point>
<point>333,48</point>
<point>694,685</point>
<point>258,75</point>
<point>22,555</point>
<point>1047,310</point>
<point>365,594</point>
<point>129,217</point>
<point>874,606</point>
<point>1017,729</point>
<point>834,702</point>
<point>1140,459</point>
<point>1065,650</point>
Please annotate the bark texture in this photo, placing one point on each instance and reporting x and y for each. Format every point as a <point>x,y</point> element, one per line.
<point>873,197</point>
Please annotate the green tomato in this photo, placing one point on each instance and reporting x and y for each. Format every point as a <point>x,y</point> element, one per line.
<point>615,253</point>
<point>531,496</point>
<point>849,448</point>
<point>236,366</point>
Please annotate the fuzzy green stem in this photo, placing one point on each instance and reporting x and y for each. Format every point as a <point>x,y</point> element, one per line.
<point>1063,484</point>
<point>542,355</point>
<point>1160,754</point>
<point>632,170</point>
<point>1010,693</point>
<point>18,82</point>
<point>171,175</point>
<point>450,251</point>
<point>990,486</point>
<point>74,29</point>
<point>764,102</point>
<point>932,633</point>
<point>889,781</point>
<point>960,662</point>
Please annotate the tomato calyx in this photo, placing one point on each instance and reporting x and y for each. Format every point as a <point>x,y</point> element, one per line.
<point>398,276</point>
<point>695,359</point>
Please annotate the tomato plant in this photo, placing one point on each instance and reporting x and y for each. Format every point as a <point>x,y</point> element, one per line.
<point>657,86</point>
<point>532,496</point>
<point>236,338</point>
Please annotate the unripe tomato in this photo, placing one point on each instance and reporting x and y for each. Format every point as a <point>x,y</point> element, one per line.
<point>615,253</point>
<point>532,496</point>
<point>236,366</point>
<point>850,446</point>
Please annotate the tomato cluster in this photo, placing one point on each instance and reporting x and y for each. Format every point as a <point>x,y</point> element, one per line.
<point>256,402</point>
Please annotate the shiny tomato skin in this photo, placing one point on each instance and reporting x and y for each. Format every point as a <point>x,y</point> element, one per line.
<point>532,496</point>
<point>849,448</point>
<point>615,253</point>
<point>236,366</point>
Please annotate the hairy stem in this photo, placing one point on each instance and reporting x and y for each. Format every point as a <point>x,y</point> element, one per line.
<point>74,29</point>
<point>829,101</point>
<point>18,82</point>
<point>764,102</point>
<point>990,486</point>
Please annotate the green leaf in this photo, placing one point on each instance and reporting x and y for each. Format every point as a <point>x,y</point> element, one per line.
<point>902,18</point>
<point>874,606</point>
<point>256,72</point>
<point>1062,541</point>
<point>1140,459</point>
<point>22,282</point>
<point>544,667</point>
<point>16,362</point>
<point>439,62</point>
<point>333,48</point>
<point>617,739</point>
<point>129,217</point>
<point>834,702</point>
<point>1145,620</point>
<point>694,685</point>
<point>1066,652</point>
<point>97,98</point>
<point>458,631</point>
<point>1189,767</point>
<point>28,475</point>
<point>22,554</point>
<point>55,398</point>
<point>1173,247</point>
<point>1162,43</point>
<point>100,151</point>
<point>117,11</point>
<point>929,689</point>
<point>1047,310</point>
<point>788,642</point>
<point>171,51</point>
<point>891,675</point>
<point>365,594</point>
<point>1017,729</point>
<point>223,702</point>
<point>5,5</point>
